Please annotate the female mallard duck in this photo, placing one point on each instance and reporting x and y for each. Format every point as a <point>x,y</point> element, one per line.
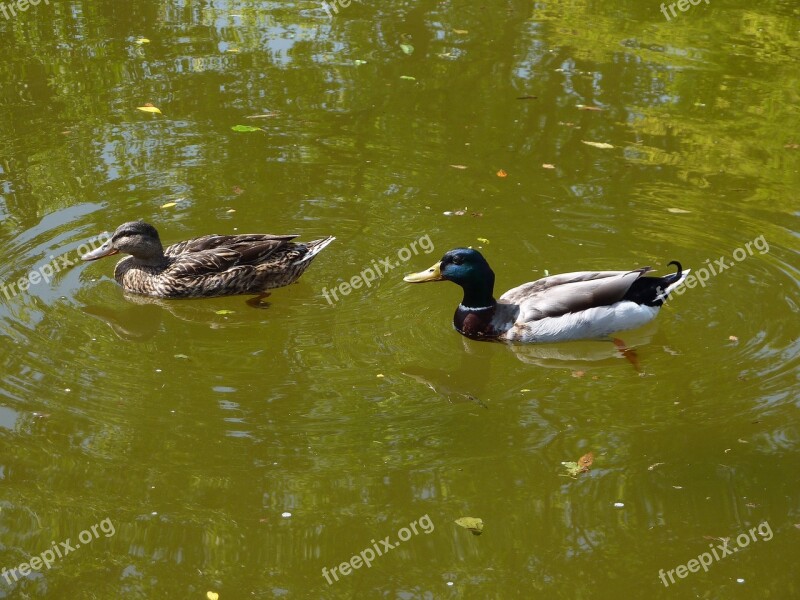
<point>212,265</point>
<point>570,306</point>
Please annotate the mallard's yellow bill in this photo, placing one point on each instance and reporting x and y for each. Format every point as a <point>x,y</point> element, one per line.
<point>432,274</point>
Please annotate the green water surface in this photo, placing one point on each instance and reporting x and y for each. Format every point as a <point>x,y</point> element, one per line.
<point>220,449</point>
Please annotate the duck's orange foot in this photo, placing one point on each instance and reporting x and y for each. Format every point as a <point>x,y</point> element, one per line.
<point>628,353</point>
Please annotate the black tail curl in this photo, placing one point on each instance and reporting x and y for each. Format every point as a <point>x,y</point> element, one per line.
<point>679,267</point>
<point>650,290</point>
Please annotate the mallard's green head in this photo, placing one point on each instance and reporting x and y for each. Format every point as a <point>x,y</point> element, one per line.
<point>467,268</point>
<point>136,238</point>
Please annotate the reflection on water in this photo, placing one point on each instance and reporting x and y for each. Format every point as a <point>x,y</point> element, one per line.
<point>194,426</point>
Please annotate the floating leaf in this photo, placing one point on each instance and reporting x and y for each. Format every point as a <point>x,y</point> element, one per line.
<point>246,128</point>
<point>233,50</point>
<point>407,48</point>
<point>586,460</point>
<point>483,240</point>
<point>225,312</point>
<point>474,524</point>
<point>358,61</point>
<point>678,211</point>
<point>462,167</point>
<point>182,356</point>
<point>212,595</point>
<point>502,173</point>
<point>142,40</point>
<point>548,166</point>
<point>654,465</point>
<point>461,31</point>
<point>602,145</point>
<point>582,466</point>
<point>408,77</point>
<point>583,107</point>
<point>149,108</point>
<point>169,205</point>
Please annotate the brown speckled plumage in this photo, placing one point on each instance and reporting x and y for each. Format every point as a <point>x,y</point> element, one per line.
<point>208,266</point>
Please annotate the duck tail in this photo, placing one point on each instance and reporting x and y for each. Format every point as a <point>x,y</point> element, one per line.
<point>670,282</point>
<point>316,247</point>
<point>653,291</point>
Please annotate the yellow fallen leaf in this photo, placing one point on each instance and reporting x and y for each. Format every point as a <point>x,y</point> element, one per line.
<point>548,166</point>
<point>141,41</point>
<point>502,173</point>
<point>598,144</point>
<point>678,211</point>
<point>148,109</point>
<point>462,167</point>
<point>169,205</point>
<point>461,31</point>
<point>212,595</point>
<point>483,240</point>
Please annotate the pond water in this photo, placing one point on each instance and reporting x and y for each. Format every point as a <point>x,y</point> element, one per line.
<point>225,451</point>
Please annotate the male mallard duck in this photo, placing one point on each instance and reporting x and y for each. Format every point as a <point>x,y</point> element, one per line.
<point>212,265</point>
<point>570,306</point>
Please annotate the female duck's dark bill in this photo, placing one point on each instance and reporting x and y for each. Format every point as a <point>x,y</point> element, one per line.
<point>106,249</point>
<point>432,274</point>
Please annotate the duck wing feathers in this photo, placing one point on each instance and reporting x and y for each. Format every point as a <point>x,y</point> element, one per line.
<point>566,293</point>
<point>212,254</point>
